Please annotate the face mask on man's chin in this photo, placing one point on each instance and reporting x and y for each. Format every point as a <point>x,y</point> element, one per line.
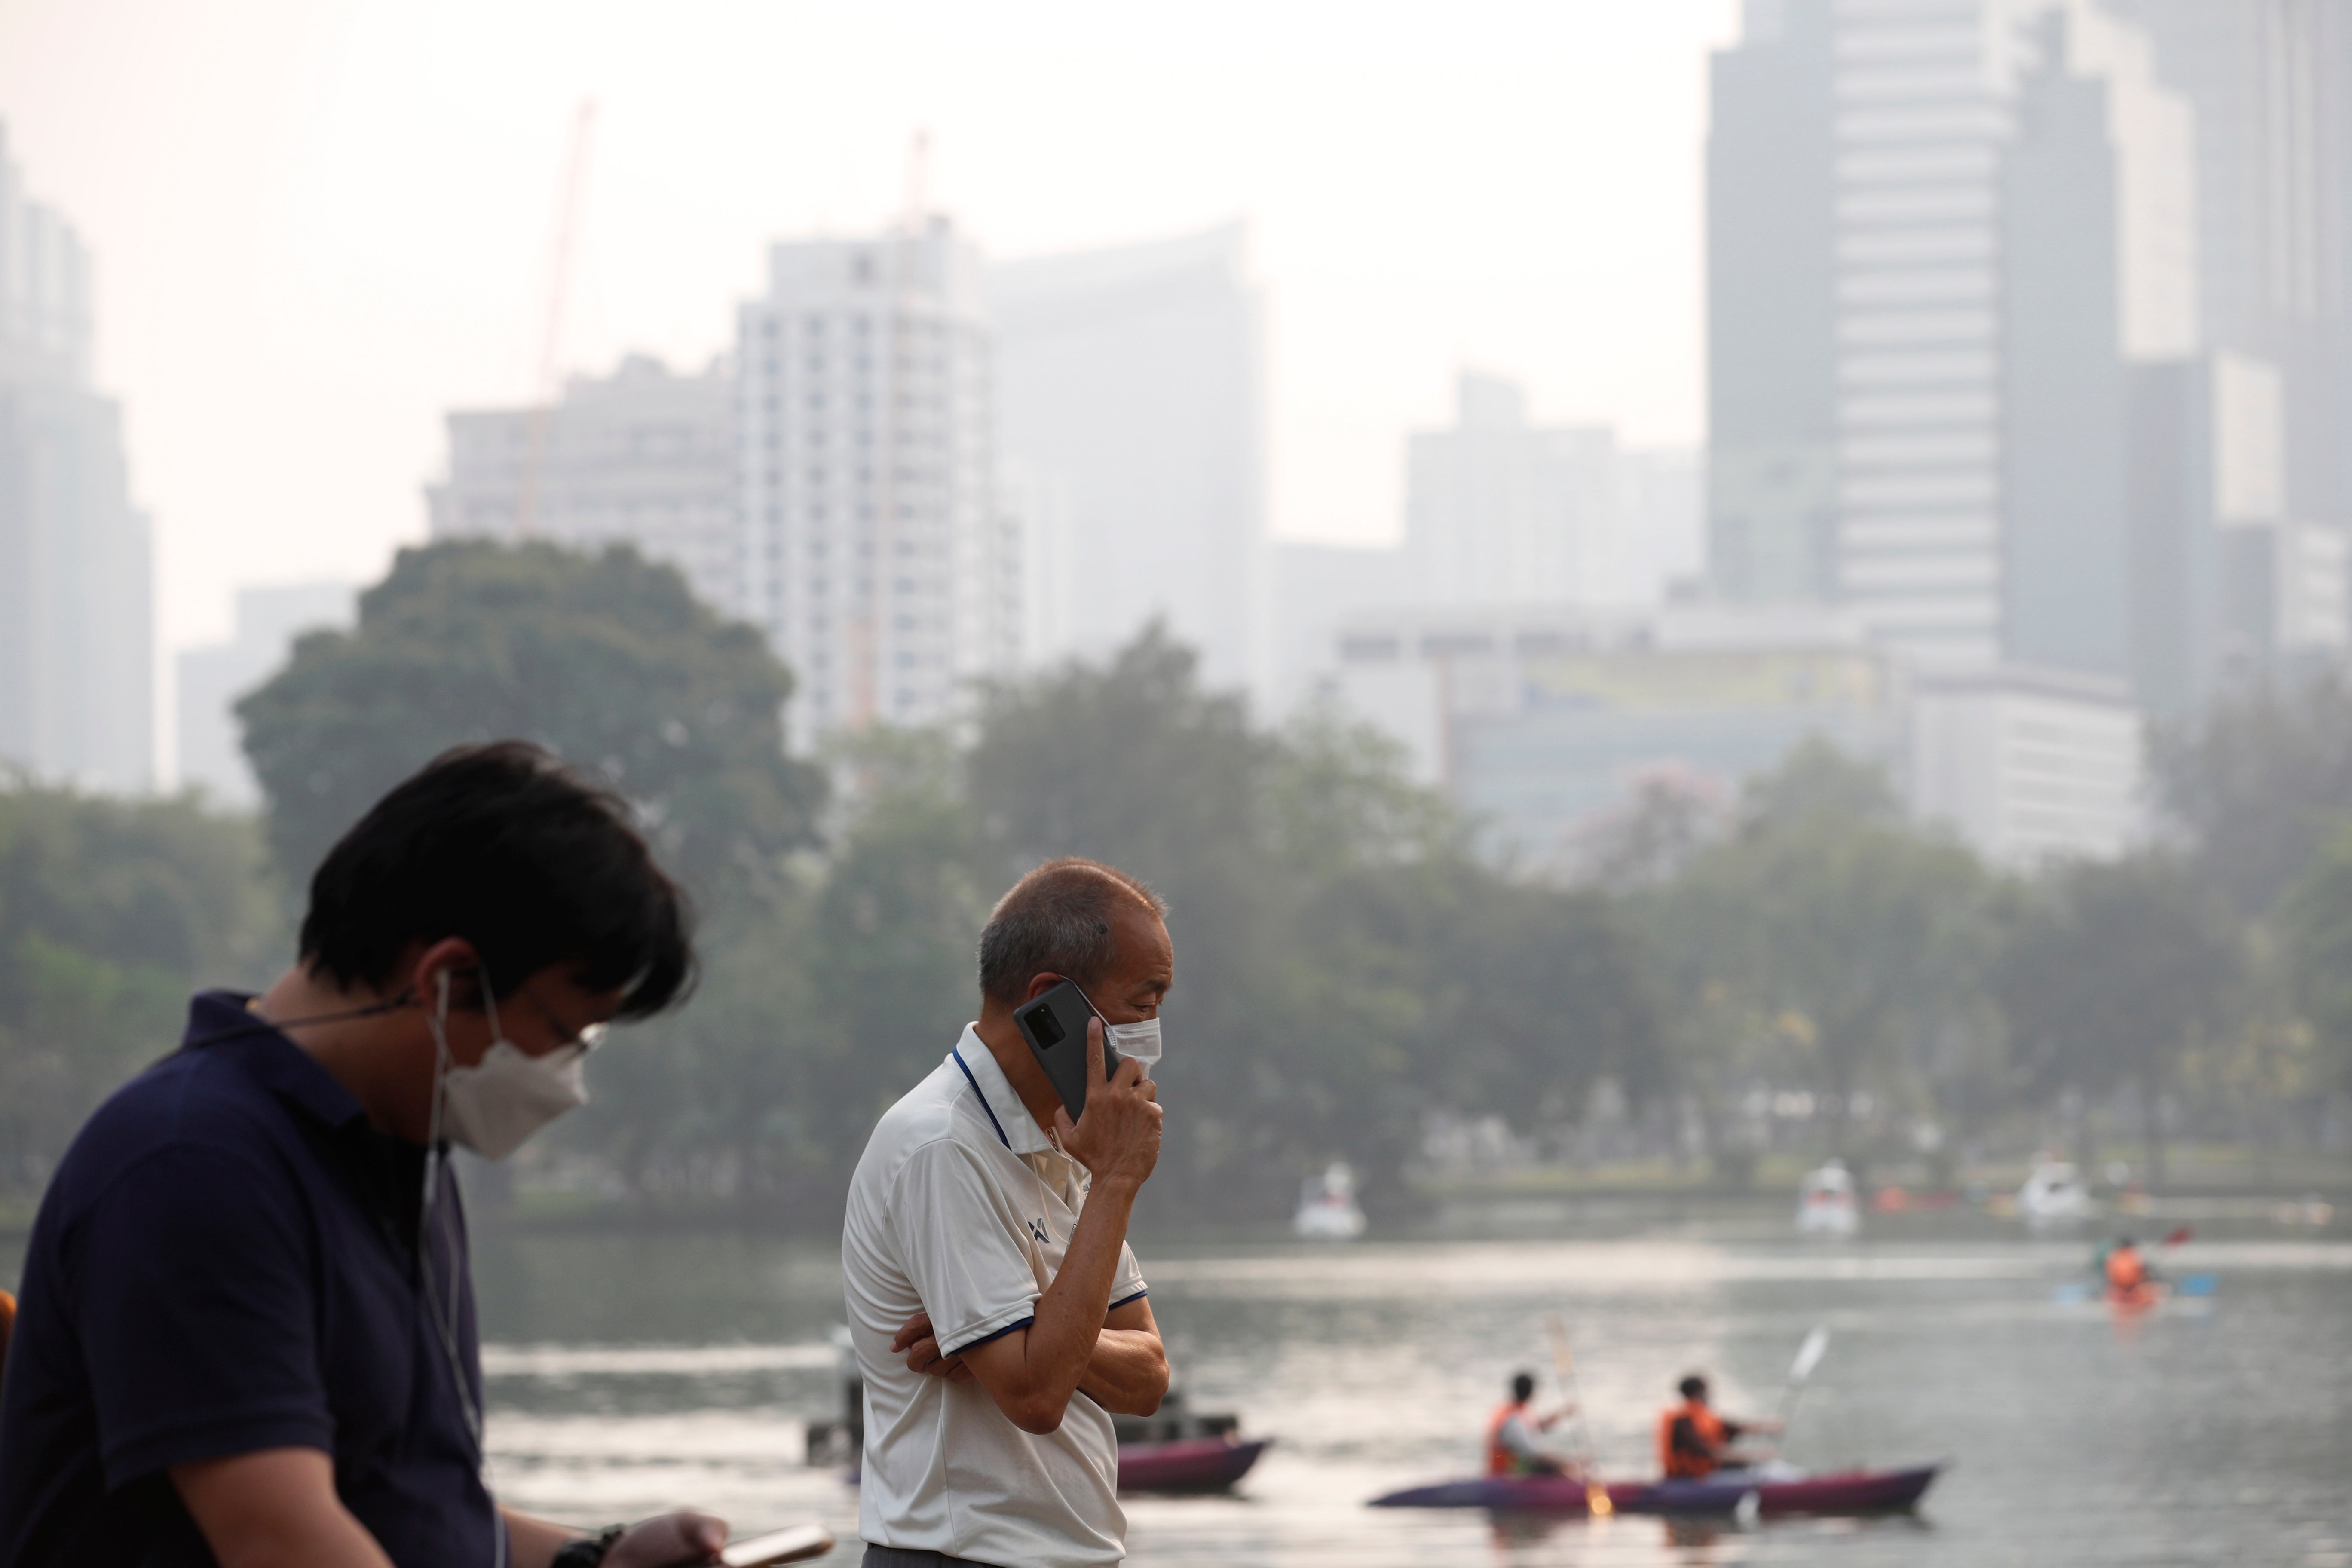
<point>494,1105</point>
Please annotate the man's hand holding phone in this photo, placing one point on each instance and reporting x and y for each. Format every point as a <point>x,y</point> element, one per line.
<point>1118,1139</point>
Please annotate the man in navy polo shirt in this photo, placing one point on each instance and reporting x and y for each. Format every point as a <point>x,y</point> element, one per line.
<point>247,1333</point>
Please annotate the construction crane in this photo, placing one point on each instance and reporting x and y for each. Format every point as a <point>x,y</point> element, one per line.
<point>570,198</point>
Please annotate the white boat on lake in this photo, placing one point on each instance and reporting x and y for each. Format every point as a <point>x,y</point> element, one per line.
<point>2055,1193</point>
<point>1825,1202</point>
<point>1327,1206</point>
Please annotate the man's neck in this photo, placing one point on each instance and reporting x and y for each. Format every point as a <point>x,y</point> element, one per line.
<point>370,1055</point>
<point>1001,1035</point>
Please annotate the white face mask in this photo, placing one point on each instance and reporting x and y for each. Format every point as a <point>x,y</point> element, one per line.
<point>1137,1042</point>
<point>492,1106</point>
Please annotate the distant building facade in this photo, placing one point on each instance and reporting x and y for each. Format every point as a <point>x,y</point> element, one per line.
<point>77,640</point>
<point>2270,85</point>
<point>212,679</point>
<point>873,545</point>
<point>2227,587</point>
<point>1498,509</point>
<point>1132,387</point>
<point>642,457</point>
<point>1544,724</point>
<point>1942,231</point>
<point>2027,766</point>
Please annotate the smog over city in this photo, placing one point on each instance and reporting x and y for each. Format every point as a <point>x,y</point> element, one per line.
<point>1700,654</point>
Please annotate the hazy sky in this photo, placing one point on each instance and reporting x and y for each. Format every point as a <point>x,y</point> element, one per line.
<point>319,225</point>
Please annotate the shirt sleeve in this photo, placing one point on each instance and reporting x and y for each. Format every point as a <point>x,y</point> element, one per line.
<point>194,1298</point>
<point>962,1247</point>
<point>1127,1285</point>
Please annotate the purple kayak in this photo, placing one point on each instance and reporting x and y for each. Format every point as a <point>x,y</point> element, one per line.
<point>1187,1464</point>
<point>1843,1491</point>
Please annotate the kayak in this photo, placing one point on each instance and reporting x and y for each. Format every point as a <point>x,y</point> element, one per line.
<point>1187,1464</point>
<point>1843,1491</point>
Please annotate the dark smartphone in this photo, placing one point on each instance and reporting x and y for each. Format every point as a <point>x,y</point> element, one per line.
<point>1055,1025</point>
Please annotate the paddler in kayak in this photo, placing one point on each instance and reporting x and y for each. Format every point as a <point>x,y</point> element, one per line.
<point>1511,1446</point>
<point>2130,1283</point>
<point>1694,1442</point>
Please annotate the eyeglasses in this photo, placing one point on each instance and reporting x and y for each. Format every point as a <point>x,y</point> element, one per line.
<point>582,1041</point>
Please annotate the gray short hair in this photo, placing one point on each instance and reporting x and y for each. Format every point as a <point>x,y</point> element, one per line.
<point>1057,920</point>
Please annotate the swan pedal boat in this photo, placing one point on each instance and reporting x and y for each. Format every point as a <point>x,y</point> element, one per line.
<point>1833,1492</point>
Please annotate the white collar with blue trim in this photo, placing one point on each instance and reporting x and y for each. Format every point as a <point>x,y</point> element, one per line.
<point>1014,1126</point>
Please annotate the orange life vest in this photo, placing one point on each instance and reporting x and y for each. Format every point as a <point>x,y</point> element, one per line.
<point>1501,1461</point>
<point>2126,1272</point>
<point>1678,1464</point>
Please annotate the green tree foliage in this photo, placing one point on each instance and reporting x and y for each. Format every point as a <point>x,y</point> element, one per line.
<point>2109,972</point>
<point>2260,780</point>
<point>2318,921</point>
<point>606,659</point>
<point>1824,940</point>
<point>111,912</point>
<point>1343,964</point>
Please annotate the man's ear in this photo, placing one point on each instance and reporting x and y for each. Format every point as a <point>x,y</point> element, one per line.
<point>1040,983</point>
<point>452,958</point>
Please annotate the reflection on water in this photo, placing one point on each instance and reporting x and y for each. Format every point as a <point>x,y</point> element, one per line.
<point>630,1372</point>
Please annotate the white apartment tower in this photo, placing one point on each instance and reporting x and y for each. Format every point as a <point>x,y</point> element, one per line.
<point>872,547</point>
<point>643,457</point>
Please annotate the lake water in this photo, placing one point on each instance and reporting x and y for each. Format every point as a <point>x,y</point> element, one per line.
<point>630,1372</point>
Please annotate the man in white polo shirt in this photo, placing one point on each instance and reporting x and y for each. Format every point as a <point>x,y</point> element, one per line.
<point>998,1314</point>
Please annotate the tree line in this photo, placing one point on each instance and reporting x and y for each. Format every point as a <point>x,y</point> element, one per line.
<point>1347,964</point>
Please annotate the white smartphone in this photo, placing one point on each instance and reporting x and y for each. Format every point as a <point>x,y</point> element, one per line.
<point>797,1544</point>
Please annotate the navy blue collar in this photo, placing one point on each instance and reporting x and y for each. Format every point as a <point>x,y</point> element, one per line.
<point>980,1095</point>
<point>221,1021</point>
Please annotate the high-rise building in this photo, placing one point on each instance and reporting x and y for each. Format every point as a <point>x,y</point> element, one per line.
<point>1132,394</point>
<point>642,457</point>
<point>1501,511</point>
<point>875,547</point>
<point>2096,251</point>
<point>1772,310</point>
<point>1950,224</point>
<point>2269,82</point>
<point>213,679</point>
<point>77,648</point>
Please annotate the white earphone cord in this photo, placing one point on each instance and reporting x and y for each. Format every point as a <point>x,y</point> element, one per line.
<point>445,1327</point>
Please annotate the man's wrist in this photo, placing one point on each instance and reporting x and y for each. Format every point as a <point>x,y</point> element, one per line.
<point>1116,1185</point>
<point>587,1551</point>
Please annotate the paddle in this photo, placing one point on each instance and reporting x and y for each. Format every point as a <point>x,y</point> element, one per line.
<point>1809,1356</point>
<point>1563,1365</point>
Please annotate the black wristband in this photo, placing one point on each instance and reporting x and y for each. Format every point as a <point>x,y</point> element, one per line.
<point>589,1549</point>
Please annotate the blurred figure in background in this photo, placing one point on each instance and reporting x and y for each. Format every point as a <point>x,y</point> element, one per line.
<point>1511,1446</point>
<point>2129,1282</point>
<point>247,1333</point>
<point>1694,1442</point>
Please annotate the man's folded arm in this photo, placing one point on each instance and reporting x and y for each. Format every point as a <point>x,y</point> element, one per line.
<point>1032,1372</point>
<point>1127,1373</point>
<point>275,1508</point>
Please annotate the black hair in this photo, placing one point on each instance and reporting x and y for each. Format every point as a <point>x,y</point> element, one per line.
<point>1523,1388</point>
<point>1057,920</point>
<point>1692,1387</point>
<point>506,846</point>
